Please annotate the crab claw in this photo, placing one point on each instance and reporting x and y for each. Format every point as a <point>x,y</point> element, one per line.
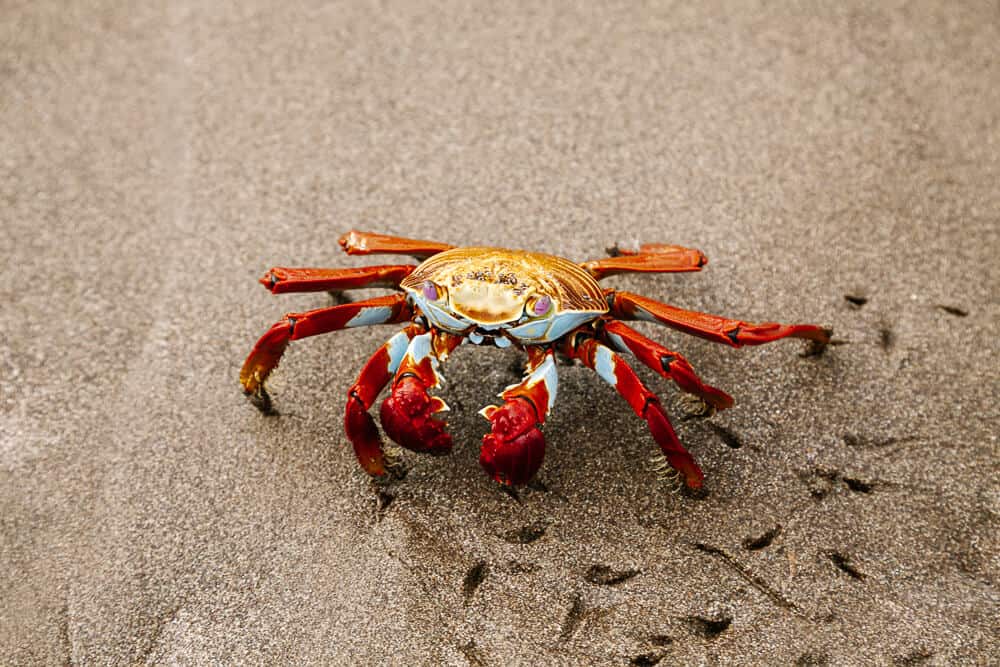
<point>513,451</point>
<point>407,417</point>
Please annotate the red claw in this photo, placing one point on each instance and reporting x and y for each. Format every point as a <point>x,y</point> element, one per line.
<point>513,451</point>
<point>407,418</point>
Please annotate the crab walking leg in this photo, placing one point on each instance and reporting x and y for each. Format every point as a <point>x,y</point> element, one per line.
<point>650,258</point>
<point>615,371</point>
<point>281,280</point>
<point>267,352</point>
<point>669,364</point>
<point>736,333</point>
<point>407,414</point>
<point>514,448</point>
<point>358,423</point>
<point>366,243</point>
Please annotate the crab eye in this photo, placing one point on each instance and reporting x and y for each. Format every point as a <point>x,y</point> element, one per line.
<point>430,291</point>
<point>540,306</point>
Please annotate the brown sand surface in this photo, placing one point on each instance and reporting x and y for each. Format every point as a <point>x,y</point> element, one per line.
<point>155,158</point>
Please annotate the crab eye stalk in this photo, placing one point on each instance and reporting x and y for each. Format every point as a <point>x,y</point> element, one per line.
<point>540,306</point>
<point>430,291</point>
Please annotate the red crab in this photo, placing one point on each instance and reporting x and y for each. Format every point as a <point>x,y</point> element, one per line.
<point>542,304</point>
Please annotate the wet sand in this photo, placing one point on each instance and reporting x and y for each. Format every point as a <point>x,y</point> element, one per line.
<point>837,167</point>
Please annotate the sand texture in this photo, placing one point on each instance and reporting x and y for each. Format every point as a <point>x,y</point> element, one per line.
<point>156,158</point>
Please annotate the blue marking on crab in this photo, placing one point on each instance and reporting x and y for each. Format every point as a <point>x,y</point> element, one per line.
<point>370,316</point>
<point>563,323</point>
<point>535,330</point>
<point>546,373</point>
<point>604,364</point>
<point>397,346</point>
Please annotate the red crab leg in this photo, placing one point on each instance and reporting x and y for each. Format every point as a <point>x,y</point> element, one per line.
<point>615,371</point>
<point>513,450</point>
<point>281,280</point>
<point>650,258</point>
<point>366,243</point>
<point>267,352</point>
<point>358,423</point>
<point>408,412</point>
<point>736,333</point>
<point>665,362</point>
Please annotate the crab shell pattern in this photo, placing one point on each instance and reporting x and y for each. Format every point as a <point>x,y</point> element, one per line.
<point>542,304</point>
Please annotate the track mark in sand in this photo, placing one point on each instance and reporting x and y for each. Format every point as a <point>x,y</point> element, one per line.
<point>382,501</point>
<point>863,442</point>
<point>648,659</point>
<point>886,338</point>
<point>473,578</point>
<point>843,563</point>
<point>602,575</point>
<point>918,657</point>
<point>858,486</point>
<point>762,541</point>
<point>855,300</point>
<point>751,578</point>
<point>953,310</point>
<point>576,615</point>
<point>573,618</point>
<point>473,654</point>
<point>821,482</point>
<point>709,628</point>
<point>866,442</point>
<point>518,567</point>
<point>525,534</point>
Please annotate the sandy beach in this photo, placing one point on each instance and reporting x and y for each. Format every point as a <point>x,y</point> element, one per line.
<point>837,165</point>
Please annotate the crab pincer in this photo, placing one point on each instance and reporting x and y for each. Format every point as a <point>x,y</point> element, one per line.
<point>407,414</point>
<point>408,417</point>
<point>513,450</point>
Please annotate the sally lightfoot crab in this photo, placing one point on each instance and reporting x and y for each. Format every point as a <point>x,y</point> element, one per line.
<point>541,304</point>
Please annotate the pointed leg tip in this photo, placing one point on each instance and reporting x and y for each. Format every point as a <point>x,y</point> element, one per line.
<point>815,347</point>
<point>692,477</point>
<point>269,280</point>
